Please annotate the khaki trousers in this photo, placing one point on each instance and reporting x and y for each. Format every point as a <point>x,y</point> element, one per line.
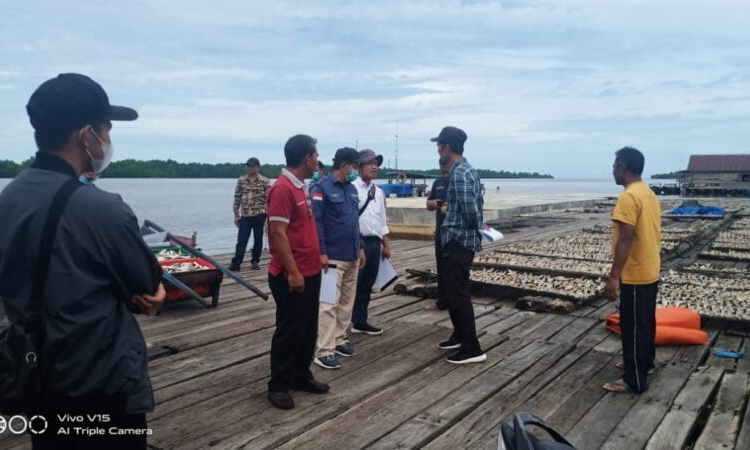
<point>333,320</point>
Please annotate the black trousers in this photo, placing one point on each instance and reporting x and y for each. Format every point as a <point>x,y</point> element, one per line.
<point>293,344</point>
<point>456,265</point>
<point>366,279</point>
<point>638,326</point>
<point>254,225</point>
<point>101,423</point>
<point>441,301</point>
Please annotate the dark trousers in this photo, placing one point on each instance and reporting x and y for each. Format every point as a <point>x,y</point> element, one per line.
<point>638,326</point>
<point>442,303</point>
<point>99,416</point>
<point>366,279</point>
<point>293,344</point>
<point>254,225</point>
<point>456,264</point>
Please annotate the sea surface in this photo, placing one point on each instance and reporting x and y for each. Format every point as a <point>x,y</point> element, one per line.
<point>205,205</point>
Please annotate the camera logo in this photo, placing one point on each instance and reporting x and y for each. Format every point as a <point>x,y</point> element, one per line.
<point>19,424</point>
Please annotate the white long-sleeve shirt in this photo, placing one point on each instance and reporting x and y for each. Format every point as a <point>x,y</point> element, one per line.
<point>373,221</point>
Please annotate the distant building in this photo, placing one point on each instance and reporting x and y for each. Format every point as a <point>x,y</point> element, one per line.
<point>716,175</point>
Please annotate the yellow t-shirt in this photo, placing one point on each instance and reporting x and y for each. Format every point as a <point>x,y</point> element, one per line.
<point>638,206</point>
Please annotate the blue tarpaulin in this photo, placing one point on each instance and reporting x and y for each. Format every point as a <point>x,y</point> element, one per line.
<point>699,211</point>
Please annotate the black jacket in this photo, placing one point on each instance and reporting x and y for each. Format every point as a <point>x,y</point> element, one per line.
<point>93,343</point>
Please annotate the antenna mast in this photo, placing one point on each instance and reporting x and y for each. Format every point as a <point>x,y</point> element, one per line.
<point>396,145</point>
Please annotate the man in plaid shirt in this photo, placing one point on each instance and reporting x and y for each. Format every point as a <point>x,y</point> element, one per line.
<point>460,238</point>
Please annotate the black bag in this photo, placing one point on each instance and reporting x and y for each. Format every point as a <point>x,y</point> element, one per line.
<point>21,374</point>
<point>513,435</point>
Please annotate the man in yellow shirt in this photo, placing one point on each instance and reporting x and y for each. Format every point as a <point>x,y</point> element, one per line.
<point>636,240</point>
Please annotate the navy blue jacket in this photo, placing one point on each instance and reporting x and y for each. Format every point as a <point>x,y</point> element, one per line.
<point>336,208</point>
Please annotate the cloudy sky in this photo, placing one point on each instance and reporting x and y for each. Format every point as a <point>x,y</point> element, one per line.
<point>551,86</point>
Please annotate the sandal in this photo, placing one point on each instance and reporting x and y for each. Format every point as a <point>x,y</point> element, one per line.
<point>618,386</point>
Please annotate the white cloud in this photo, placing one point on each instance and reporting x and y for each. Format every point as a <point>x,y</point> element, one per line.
<point>525,79</point>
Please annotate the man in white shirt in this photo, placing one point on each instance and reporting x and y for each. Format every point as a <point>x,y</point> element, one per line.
<point>374,229</point>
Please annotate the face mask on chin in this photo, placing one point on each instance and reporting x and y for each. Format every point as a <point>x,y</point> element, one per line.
<point>316,176</point>
<point>86,180</point>
<point>352,175</point>
<point>99,165</point>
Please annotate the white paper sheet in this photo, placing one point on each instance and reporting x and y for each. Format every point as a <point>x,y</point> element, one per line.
<point>328,285</point>
<point>386,274</point>
<point>491,234</point>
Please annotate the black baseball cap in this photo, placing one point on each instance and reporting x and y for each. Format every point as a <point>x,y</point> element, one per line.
<point>253,162</point>
<point>346,155</point>
<point>70,101</point>
<point>453,136</point>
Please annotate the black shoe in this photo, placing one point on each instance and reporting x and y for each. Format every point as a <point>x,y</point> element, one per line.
<point>367,329</point>
<point>313,386</point>
<point>441,306</point>
<point>234,267</point>
<point>281,400</point>
<point>451,344</point>
<point>466,358</point>
<point>255,266</point>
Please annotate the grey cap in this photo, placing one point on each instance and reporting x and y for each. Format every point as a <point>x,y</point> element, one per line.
<point>366,155</point>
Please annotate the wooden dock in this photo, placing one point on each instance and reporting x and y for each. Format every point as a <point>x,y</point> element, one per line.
<point>209,369</point>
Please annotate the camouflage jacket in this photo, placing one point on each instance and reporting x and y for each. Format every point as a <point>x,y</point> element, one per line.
<point>250,197</point>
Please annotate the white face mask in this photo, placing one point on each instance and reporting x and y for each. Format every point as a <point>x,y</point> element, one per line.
<point>99,165</point>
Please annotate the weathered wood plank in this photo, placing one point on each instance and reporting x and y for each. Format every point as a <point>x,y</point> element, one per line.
<point>639,423</point>
<point>679,422</point>
<point>479,427</point>
<point>724,422</point>
<point>512,321</point>
<point>574,330</point>
<point>184,394</point>
<point>378,415</point>
<point>743,439</point>
<point>450,409</point>
<point>255,423</point>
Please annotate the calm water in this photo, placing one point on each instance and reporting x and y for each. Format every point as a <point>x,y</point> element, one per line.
<point>205,205</point>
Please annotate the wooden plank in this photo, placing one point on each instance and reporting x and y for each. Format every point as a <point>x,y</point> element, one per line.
<point>724,422</point>
<point>567,384</point>
<point>511,322</point>
<point>570,412</point>
<point>596,425</point>
<point>639,423</point>
<point>185,394</point>
<point>378,415</point>
<point>450,409</point>
<point>546,323</point>
<point>743,439</point>
<point>680,421</point>
<point>479,427</point>
<point>574,330</point>
<point>246,418</point>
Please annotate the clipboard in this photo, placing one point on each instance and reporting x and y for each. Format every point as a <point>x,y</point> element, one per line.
<point>491,234</point>
<point>329,285</point>
<point>386,275</point>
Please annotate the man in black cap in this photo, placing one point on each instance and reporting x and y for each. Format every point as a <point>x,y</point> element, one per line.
<point>93,356</point>
<point>436,201</point>
<point>250,198</point>
<point>373,226</point>
<point>460,240</point>
<point>336,205</point>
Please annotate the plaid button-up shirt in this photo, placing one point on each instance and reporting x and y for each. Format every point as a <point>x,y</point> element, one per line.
<point>465,204</point>
<point>250,197</point>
